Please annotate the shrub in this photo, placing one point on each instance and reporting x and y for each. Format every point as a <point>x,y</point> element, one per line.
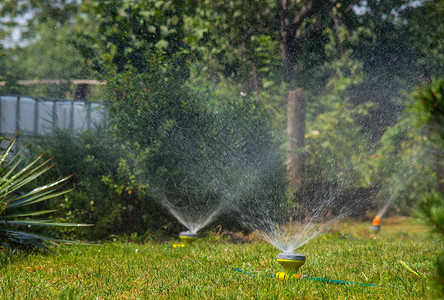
<point>109,190</point>
<point>429,107</point>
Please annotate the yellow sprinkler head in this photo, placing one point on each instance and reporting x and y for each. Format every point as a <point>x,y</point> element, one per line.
<point>187,237</point>
<point>291,262</point>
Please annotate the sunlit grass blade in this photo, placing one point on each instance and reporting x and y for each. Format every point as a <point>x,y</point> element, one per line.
<point>408,268</point>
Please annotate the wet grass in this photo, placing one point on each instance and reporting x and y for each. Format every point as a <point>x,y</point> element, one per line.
<point>206,270</point>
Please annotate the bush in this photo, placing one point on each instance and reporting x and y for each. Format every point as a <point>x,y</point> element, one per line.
<point>107,192</point>
<point>429,108</point>
<point>116,177</point>
<point>402,158</point>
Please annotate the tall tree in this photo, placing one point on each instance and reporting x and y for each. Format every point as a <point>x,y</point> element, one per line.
<point>131,34</point>
<point>297,27</point>
<point>299,22</point>
<point>401,49</point>
<point>27,16</point>
<point>39,41</point>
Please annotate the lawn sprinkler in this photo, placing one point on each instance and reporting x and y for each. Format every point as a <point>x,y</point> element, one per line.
<point>291,262</point>
<point>376,224</point>
<point>187,237</point>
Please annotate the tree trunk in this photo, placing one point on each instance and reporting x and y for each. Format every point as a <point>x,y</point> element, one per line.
<point>294,100</point>
<point>81,91</point>
<point>294,30</point>
<point>295,136</point>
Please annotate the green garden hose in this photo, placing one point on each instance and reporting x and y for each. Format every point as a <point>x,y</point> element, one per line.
<point>303,277</point>
<point>318,279</point>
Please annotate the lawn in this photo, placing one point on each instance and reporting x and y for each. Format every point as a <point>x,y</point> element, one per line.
<point>120,270</point>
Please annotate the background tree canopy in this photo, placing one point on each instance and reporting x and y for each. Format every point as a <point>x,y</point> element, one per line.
<point>348,66</point>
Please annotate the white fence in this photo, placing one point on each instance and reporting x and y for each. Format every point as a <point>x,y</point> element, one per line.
<point>36,117</point>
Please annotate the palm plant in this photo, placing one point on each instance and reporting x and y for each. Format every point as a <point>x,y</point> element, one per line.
<point>15,175</point>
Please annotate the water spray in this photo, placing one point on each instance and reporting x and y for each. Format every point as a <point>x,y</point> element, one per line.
<point>291,262</point>
<point>376,224</point>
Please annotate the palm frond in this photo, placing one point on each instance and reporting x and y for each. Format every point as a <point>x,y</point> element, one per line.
<point>44,223</point>
<point>24,238</point>
<point>13,197</point>
<point>36,198</point>
<point>29,214</point>
<point>5,153</point>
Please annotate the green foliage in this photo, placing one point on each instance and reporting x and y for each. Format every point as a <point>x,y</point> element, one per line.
<point>117,171</point>
<point>425,27</point>
<point>143,109</point>
<point>134,34</point>
<point>168,63</point>
<point>402,157</point>
<point>431,210</point>
<point>38,61</point>
<point>149,103</point>
<point>406,153</point>
<point>139,47</point>
<point>429,107</point>
<point>337,147</point>
<point>109,190</point>
<point>46,49</point>
<point>16,14</point>
<point>14,200</point>
<point>116,181</point>
<point>141,104</point>
<point>232,36</point>
<point>338,150</point>
<point>389,57</point>
<point>440,272</point>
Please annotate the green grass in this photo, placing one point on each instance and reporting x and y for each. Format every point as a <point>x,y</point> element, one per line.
<point>130,271</point>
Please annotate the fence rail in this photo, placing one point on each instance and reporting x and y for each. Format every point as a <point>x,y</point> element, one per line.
<point>81,84</point>
<point>37,117</point>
